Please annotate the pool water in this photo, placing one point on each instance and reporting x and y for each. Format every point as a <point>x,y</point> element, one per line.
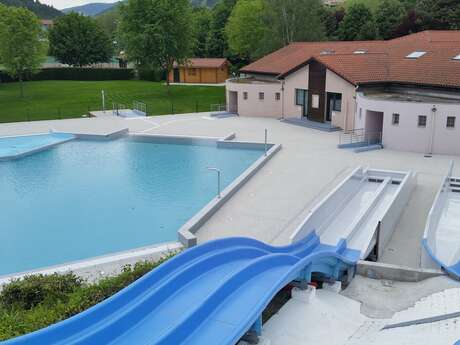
<point>90,198</point>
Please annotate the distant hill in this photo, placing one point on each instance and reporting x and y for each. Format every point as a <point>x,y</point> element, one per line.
<point>92,9</point>
<point>41,10</point>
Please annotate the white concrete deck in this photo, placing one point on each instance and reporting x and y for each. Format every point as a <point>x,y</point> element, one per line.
<point>329,318</point>
<point>275,201</point>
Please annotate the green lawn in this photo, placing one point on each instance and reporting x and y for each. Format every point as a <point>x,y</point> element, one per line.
<point>66,99</point>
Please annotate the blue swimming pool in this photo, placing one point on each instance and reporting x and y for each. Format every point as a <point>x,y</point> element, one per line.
<point>88,198</point>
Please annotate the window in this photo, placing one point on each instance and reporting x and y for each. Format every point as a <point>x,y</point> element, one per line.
<point>335,100</point>
<point>395,119</point>
<point>277,96</point>
<point>315,101</point>
<point>450,122</point>
<point>415,55</point>
<point>261,96</point>
<point>192,71</point>
<point>422,121</point>
<point>245,95</point>
<point>299,97</point>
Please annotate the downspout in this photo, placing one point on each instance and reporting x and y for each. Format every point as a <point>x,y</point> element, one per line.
<point>282,99</point>
<point>433,127</point>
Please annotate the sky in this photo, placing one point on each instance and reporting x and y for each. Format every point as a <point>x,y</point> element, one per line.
<point>60,4</point>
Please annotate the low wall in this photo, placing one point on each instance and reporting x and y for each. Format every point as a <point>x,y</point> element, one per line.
<point>377,270</point>
<point>396,208</point>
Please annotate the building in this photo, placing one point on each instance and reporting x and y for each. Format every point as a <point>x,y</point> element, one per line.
<point>200,71</point>
<point>46,24</point>
<point>405,91</point>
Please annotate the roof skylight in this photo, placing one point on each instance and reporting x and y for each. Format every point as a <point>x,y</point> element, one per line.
<point>360,51</point>
<point>415,55</point>
<point>457,57</point>
<point>327,52</point>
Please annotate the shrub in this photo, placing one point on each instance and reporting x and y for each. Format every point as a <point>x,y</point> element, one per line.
<point>32,290</point>
<point>38,301</point>
<point>71,73</point>
<point>151,75</point>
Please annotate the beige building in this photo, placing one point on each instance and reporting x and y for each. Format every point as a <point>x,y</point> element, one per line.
<point>200,71</point>
<point>358,86</point>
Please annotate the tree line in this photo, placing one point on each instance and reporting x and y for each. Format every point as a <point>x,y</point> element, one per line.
<point>153,34</point>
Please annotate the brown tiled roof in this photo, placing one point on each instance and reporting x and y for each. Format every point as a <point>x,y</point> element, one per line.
<point>383,61</point>
<point>205,62</point>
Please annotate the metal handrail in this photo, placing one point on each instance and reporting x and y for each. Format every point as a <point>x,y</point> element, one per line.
<point>360,135</point>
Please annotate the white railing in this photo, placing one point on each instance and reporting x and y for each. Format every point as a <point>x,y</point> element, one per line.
<point>360,135</point>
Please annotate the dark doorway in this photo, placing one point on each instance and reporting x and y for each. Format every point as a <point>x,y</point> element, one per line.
<point>301,98</point>
<point>176,75</point>
<point>334,103</point>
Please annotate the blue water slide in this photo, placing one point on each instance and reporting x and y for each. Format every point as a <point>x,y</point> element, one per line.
<point>211,294</point>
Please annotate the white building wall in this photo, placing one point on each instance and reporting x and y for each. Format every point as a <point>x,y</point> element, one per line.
<point>407,136</point>
<point>296,80</point>
<point>253,106</point>
<point>345,118</point>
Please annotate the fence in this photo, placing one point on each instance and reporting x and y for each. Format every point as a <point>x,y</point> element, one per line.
<point>28,113</point>
<point>360,135</point>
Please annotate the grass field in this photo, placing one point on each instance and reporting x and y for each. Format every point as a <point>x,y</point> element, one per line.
<point>67,99</point>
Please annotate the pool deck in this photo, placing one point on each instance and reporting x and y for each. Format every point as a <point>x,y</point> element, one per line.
<point>304,171</point>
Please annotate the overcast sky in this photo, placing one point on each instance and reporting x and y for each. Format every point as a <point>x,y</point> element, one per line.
<point>60,4</point>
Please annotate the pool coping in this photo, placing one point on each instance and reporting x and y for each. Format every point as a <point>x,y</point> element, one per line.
<point>97,267</point>
<point>109,136</point>
<point>100,266</point>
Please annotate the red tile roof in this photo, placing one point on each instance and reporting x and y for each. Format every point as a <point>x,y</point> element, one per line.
<point>205,62</point>
<point>383,61</point>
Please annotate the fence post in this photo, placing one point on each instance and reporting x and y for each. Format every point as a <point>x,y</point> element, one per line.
<point>59,113</point>
<point>172,107</point>
<point>28,114</point>
<point>196,106</point>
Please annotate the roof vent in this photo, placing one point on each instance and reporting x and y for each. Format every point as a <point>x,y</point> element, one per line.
<point>457,57</point>
<point>360,51</point>
<point>327,52</point>
<point>415,55</point>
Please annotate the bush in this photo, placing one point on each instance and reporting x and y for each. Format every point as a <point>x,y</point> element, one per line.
<point>151,75</point>
<point>30,291</point>
<point>73,73</point>
<point>36,302</point>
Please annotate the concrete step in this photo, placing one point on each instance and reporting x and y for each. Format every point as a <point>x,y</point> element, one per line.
<point>368,148</point>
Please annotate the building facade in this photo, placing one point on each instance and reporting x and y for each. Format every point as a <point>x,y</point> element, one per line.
<point>358,86</point>
<point>200,71</point>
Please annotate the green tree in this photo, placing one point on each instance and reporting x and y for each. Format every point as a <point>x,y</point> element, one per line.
<point>22,43</point>
<point>217,45</point>
<point>202,24</point>
<point>331,16</point>
<point>292,20</point>
<point>388,17</point>
<point>77,40</point>
<point>439,14</point>
<point>157,33</point>
<point>245,29</point>
<point>357,24</point>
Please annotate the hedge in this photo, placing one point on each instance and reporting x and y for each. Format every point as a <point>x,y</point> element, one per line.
<point>72,73</point>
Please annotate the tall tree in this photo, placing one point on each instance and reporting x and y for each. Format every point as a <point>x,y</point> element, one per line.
<point>202,24</point>
<point>245,29</point>
<point>292,20</point>
<point>77,40</point>
<point>409,24</point>
<point>358,24</point>
<point>388,17</point>
<point>157,33</point>
<point>217,44</point>
<point>439,14</point>
<point>22,43</point>
<point>332,16</point>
